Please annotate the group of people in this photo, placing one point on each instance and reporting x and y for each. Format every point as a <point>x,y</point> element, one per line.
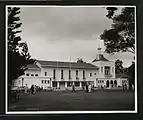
<point>33,89</point>
<point>87,88</point>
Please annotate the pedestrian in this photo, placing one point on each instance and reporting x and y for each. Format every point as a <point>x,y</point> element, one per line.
<point>86,88</point>
<point>35,88</point>
<point>83,88</point>
<point>73,88</point>
<point>32,89</point>
<point>26,88</point>
<point>89,88</point>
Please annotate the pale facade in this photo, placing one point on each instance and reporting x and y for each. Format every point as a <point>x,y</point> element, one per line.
<point>55,74</point>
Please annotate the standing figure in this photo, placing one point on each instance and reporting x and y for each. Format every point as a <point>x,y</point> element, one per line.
<point>89,88</point>
<point>26,88</point>
<point>35,88</point>
<point>73,88</point>
<point>86,88</point>
<point>32,89</point>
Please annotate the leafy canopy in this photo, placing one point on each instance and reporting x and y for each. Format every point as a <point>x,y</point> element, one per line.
<point>121,36</point>
<point>18,55</point>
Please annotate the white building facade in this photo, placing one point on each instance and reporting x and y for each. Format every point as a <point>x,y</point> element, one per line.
<point>56,74</point>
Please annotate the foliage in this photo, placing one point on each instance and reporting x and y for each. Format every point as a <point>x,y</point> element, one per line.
<point>121,36</point>
<point>119,67</point>
<point>18,55</point>
<point>131,73</point>
<point>80,60</point>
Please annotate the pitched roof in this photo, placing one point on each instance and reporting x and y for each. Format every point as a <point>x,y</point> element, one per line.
<point>66,64</point>
<point>32,66</point>
<point>100,57</point>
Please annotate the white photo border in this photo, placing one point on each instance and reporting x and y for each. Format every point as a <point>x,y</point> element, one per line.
<point>70,112</point>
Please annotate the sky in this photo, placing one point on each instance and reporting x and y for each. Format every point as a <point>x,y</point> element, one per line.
<point>66,33</point>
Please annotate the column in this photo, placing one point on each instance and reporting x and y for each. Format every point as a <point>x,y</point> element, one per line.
<point>58,84</point>
<point>51,83</point>
<point>65,84</point>
<point>80,85</point>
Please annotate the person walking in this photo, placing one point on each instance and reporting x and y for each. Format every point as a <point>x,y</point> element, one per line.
<point>86,88</point>
<point>35,89</point>
<point>32,89</point>
<point>89,88</point>
<point>26,88</point>
<point>73,88</point>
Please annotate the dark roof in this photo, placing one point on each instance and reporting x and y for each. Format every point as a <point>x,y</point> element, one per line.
<point>32,66</point>
<point>122,76</point>
<point>65,64</point>
<point>100,57</point>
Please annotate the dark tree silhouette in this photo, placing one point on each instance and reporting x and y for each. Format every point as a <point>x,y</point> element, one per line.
<point>121,36</point>
<point>119,66</point>
<point>80,60</point>
<point>18,55</point>
<point>131,73</point>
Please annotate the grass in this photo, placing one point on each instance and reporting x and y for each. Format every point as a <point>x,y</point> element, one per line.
<point>79,101</point>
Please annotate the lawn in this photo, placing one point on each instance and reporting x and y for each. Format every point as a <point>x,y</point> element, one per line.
<point>79,101</point>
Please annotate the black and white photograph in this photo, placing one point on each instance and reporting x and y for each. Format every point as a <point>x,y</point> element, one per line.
<point>71,59</point>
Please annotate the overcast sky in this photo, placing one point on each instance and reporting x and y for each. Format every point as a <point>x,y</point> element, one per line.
<point>61,33</point>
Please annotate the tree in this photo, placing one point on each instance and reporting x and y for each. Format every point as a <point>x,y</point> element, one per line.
<point>18,55</point>
<point>121,36</point>
<point>119,66</point>
<point>80,60</point>
<point>131,73</point>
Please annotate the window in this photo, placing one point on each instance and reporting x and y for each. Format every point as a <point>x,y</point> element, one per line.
<point>112,69</point>
<point>107,70</point>
<point>27,74</point>
<point>45,73</point>
<point>47,81</point>
<point>101,69</point>
<point>42,81</point>
<point>94,73</point>
<point>62,74</point>
<point>54,74</point>
<point>76,73</point>
<point>83,74</point>
<point>69,74</point>
<point>90,74</point>
<point>36,74</point>
<point>32,75</point>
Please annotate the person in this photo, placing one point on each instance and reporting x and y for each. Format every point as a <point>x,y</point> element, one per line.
<point>83,88</point>
<point>35,89</point>
<point>26,88</point>
<point>32,89</point>
<point>73,88</point>
<point>86,88</point>
<point>89,88</point>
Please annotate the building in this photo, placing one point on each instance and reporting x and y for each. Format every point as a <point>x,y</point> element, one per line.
<point>56,74</point>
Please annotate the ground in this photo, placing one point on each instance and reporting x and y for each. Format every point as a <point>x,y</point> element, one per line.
<point>79,101</point>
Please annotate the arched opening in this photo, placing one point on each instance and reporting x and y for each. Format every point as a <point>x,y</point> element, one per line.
<point>115,83</point>
<point>107,83</point>
<point>111,82</point>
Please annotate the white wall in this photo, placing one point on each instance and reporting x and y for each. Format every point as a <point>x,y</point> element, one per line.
<point>100,64</point>
<point>66,73</point>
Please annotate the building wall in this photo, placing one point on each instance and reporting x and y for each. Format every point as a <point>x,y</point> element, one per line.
<point>101,65</point>
<point>49,72</point>
<point>97,76</point>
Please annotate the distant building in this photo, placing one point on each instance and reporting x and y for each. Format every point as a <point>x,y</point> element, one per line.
<point>56,74</point>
